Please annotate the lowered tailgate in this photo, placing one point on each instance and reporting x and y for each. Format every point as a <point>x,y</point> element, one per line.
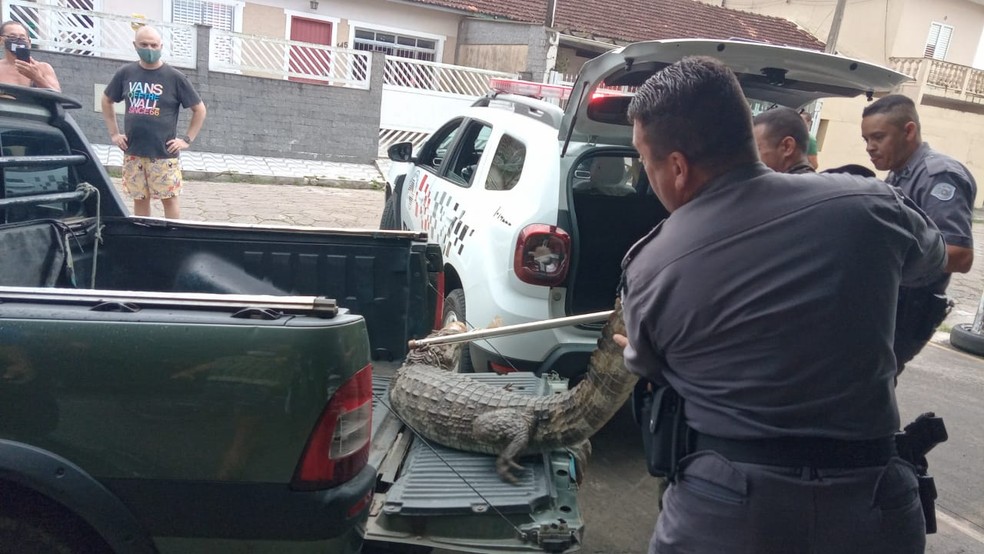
<point>429,495</point>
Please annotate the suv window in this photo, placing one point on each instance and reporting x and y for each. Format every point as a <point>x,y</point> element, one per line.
<point>507,164</point>
<point>469,152</point>
<point>28,181</point>
<point>608,176</point>
<point>435,151</point>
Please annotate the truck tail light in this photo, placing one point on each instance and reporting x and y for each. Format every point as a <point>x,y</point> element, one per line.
<point>542,255</point>
<point>338,448</point>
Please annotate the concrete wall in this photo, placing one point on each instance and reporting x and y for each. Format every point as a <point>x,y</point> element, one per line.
<point>248,115</point>
<point>529,50</point>
<point>264,21</point>
<point>377,14</point>
<point>966,18</point>
<point>152,10</point>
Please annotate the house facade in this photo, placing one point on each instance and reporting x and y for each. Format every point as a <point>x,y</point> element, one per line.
<point>937,43</point>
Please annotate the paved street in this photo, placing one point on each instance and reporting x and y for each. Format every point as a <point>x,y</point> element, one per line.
<point>278,204</point>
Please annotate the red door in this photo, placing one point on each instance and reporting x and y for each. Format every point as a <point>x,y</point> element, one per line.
<point>306,60</point>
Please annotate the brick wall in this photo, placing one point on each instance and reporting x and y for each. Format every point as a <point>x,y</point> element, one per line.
<point>248,115</point>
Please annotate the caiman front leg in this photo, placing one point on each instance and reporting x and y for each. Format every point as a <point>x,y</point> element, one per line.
<point>507,430</point>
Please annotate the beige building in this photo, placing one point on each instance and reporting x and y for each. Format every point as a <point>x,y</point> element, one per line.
<point>935,42</point>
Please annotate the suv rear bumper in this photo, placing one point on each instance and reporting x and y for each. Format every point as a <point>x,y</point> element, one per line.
<point>567,360</point>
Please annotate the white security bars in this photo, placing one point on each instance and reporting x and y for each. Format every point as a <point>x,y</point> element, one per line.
<point>275,58</point>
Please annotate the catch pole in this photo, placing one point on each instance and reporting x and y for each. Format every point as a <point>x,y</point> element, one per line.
<point>512,329</point>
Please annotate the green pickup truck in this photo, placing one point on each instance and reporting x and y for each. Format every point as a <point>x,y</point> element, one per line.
<point>185,387</point>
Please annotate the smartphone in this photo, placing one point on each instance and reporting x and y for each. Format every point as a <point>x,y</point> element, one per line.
<point>23,53</point>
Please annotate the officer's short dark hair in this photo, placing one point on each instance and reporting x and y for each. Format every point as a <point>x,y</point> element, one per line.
<point>781,122</point>
<point>899,108</point>
<point>696,107</point>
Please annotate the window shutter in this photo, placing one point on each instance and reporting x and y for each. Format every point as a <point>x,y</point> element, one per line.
<point>938,41</point>
<point>943,44</point>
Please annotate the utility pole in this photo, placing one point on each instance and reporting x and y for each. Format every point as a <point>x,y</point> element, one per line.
<point>835,27</point>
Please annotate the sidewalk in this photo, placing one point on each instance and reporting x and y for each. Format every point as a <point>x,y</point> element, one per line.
<point>966,288</point>
<point>206,166</point>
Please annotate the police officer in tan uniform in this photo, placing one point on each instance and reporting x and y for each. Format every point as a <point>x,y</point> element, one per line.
<point>943,188</point>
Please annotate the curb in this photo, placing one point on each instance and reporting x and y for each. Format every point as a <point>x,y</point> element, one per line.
<point>115,171</point>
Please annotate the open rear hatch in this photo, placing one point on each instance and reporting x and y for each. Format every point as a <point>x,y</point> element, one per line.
<point>609,221</point>
<point>773,74</point>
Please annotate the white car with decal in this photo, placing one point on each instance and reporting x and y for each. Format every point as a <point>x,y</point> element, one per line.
<point>534,206</point>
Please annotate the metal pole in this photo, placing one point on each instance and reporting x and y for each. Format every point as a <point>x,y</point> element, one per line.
<point>512,329</point>
<point>835,27</point>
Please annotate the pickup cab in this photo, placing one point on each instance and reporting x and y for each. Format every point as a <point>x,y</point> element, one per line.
<point>534,205</point>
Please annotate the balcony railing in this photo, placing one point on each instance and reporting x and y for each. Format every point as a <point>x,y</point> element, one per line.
<point>945,79</point>
<point>276,58</point>
<point>88,33</point>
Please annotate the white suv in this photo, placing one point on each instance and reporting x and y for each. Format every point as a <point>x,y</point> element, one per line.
<point>534,206</point>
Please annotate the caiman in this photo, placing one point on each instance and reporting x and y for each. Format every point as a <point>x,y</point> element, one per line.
<point>458,412</point>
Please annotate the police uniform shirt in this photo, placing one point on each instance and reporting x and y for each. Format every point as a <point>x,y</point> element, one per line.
<point>944,189</point>
<point>767,302</point>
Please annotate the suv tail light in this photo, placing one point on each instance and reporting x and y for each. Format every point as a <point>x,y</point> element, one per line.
<point>542,255</point>
<point>338,448</point>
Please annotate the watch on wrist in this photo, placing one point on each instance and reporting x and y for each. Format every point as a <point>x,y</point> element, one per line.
<point>185,138</point>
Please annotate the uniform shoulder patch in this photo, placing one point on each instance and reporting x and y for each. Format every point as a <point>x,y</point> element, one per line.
<point>943,191</point>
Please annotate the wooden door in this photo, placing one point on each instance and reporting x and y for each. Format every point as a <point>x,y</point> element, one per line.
<point>308,60</point>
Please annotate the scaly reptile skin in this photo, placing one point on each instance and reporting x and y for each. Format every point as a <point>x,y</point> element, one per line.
<point>458,412</point>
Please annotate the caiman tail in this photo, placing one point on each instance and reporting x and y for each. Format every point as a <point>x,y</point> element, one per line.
<point>584,410</point>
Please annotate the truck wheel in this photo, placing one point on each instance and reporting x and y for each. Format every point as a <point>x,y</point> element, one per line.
<point>374,547</point>
<point>454,310</point>
<point>388,220</point>
<point>962,337</point>
<point>46,536</point>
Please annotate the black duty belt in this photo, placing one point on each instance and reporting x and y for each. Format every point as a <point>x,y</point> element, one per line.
<point>800,452</point>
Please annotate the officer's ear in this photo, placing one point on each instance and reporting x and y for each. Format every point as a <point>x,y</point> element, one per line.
<point>787,145</point>
<point>911,131</point>
<point>680,167</point>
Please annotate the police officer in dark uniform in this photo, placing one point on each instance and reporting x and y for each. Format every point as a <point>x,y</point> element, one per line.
<point>938,184</point>
<point>781,137</point>
<point>766,301</point>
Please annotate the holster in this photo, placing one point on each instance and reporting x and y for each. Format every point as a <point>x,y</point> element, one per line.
<point>665,435</point>
<point>927,498</point>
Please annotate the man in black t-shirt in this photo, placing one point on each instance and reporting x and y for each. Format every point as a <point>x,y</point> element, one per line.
<point>153,92</point>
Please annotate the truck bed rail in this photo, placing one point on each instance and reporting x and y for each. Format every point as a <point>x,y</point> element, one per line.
<point>313,305</point>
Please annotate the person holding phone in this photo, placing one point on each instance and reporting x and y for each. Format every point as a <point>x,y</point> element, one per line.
<point>17,66</point>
